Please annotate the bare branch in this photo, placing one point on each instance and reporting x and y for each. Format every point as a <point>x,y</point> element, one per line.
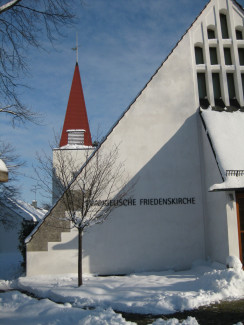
<point>21,23</point>
<point>8,5</point>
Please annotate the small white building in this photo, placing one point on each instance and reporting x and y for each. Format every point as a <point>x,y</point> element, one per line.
<point>186,157</point>
<point>16,215</point>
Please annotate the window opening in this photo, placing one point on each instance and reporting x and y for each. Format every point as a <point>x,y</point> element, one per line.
<point>227,54</point>
<point>241,55</point>
<point>219,104</point>
<point>213,55</point>
<point>211,33</point>
<point>234,104</point>
<point>199,55</point>
<point>242,81</point>
<point>239,34</point>
<point>202,91</point>
<point>231,85</point>
<point>216,86</point>
<point>224,26</point>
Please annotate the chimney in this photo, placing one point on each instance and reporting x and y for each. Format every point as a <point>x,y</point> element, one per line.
<point>34,204</point>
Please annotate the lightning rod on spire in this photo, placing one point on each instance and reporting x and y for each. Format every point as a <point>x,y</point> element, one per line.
<point>76,48</point>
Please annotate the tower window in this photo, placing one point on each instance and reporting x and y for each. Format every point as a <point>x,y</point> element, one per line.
<point>216,86</point>
<point>76,137</point>
<point>211,33</point>
<point>241,55</point>
<point>199,55</point>
<point>231,85</point>
<point>213,55</point>
<point>202,92</point>
<point>224,26</point>
<point>227,54</point>
<point>239,34</point>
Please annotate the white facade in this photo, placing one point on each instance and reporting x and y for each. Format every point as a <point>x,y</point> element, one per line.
<point>172,219</point>
<point>67,160</point>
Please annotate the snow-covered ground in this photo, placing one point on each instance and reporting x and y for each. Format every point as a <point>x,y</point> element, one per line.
<point>154,293</point>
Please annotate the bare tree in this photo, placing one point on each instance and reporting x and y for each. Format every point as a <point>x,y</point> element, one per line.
<point>9,191</point>
<point>22,25</point>
<point>90,193</point>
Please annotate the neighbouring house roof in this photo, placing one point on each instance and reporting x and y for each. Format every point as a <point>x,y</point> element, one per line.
<point>226,133</point>
<point>76,114</point>
<point>24,210</point>
<point>3,171</point>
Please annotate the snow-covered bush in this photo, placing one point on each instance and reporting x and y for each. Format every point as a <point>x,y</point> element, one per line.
<point>233,262</point>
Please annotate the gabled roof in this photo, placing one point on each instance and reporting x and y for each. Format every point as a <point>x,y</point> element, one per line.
<point>76,115</point>
<point>24,210</point>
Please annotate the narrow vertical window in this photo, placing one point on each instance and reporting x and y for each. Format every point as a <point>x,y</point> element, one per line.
<point>216,86</point>
<point>224,26</point>
<point>241,55</point>
<point>242,81</point>
<point>199,55</point>
<point>227,54</point>
<point>202,92</point>
<point>231,85</point>
<point>239,34</point>
<point>213,55</point>
<point>211,33</point>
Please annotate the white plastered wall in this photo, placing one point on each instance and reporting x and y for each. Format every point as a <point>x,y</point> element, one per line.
<point>71,161</point>
<point>158,143</point>
<point>220,209</point>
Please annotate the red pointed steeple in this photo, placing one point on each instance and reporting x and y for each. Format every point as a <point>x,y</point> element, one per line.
<point>76,115</point>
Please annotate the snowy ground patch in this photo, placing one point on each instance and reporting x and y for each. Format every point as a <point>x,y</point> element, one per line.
<point>149,293</point>
<point>19,309</point>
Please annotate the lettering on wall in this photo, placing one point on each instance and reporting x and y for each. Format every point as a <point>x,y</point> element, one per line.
<point>147,201</point>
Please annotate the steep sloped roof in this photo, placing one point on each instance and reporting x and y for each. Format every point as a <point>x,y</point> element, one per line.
<point>24,210</point>
<point>76,114</point>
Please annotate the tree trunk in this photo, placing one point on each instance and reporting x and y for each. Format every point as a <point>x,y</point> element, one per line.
<point>79,257</point>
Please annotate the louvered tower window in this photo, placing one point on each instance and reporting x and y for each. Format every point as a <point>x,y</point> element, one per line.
<point>76,137</point>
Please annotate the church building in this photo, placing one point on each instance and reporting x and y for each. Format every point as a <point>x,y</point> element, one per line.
<point>180,142</point>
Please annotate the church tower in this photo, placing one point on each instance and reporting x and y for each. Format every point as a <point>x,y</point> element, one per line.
<point>75,144</point>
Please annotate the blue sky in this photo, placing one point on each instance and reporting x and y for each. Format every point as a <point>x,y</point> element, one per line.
<point>121,44</point>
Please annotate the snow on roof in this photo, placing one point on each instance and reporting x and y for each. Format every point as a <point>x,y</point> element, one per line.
<point>226,132</point>
<point>3,167</point>
<point>75,147</point>
<point>25,210</point>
